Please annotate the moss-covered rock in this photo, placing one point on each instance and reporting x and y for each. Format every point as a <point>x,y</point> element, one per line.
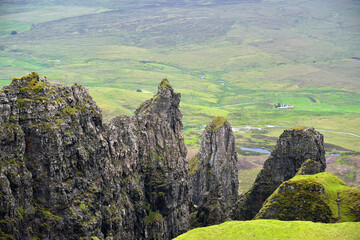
<point>216,123</point>
<point>319,198</point>
<point>309,167</point>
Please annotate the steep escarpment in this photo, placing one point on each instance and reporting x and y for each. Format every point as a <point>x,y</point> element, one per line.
<point>319,198</point>
<point>214,177</point>
<point>293,148</point>
<point>66,175</point>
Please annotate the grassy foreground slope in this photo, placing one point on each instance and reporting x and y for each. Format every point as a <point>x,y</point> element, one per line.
<point>274,229</point>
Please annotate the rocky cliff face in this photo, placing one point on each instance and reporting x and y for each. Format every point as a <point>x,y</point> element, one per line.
<point>214,175</point>
<point>66,175</point>
<point>293,148</point>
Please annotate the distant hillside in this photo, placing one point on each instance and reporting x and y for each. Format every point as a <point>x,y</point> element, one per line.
<point>134,3</point>
<point>235,59</point>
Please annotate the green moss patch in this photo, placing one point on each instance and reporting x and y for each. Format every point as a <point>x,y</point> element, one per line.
<point>32,75</point>
<point>153,217</point>
<point>217,123</point>
<point>302,200</point>
<point>299,128</point>
<point>165,84</point>
<point>194,165</point>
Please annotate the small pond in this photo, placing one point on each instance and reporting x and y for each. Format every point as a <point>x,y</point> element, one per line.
<point>259,150</point>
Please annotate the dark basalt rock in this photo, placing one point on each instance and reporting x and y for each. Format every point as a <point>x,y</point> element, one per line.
<point>66,175</point>
<point>214,177</point>
<point>293,148</point>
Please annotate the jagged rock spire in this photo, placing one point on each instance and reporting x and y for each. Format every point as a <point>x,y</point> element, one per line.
<point>165,104</point>
<point>164,100</point>
<point>213,174</point>
<point>293,148</point>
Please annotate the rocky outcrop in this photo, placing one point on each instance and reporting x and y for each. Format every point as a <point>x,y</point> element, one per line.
<point>214,176</point>
<point>319,198</point>
<point>50,166</point>
<point>293,148</point>
<point>66,175</point>
<point>310,167</point>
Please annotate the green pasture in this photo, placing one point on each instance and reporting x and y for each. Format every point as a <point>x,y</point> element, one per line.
<point>8,26</point>
<point>246,179</point>
<point>116,101</point>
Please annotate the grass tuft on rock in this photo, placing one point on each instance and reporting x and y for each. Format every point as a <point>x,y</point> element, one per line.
<point>165,84</point>
<point>217,123</point>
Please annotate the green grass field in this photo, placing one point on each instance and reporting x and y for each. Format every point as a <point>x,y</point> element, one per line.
<point>274,229</point>
<point>232,59</point>
<point>246,179</point>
